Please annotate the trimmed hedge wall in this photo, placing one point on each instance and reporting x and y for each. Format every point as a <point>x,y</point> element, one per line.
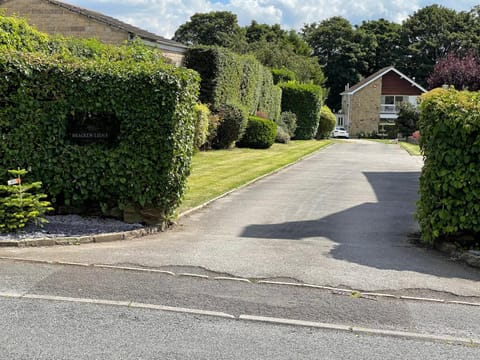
<point>144,172</point>
<point>229,78</point>
<point>304,100</point>
<point>259,134</point>
<point>449,202</point>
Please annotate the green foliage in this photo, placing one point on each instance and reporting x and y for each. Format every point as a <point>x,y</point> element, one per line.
<point>202,116</point>
<point>233,121</point>
<point>213,123</point>
<point>305,101</point>
<point>229,78</point>
<point>218,28</point>
<point>450,182</point>
<point>259,134</point>
<point>326,124</point>
<point>407,119</point>
<point>282,75</point>
<point>282,136</point>
<point>289,122</point>
<point>21,203</point>
<point>153,103</point>
<point>16,34</point>
<point>434,31</point>
<point>342,51</point>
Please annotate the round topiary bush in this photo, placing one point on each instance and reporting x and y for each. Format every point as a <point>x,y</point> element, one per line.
<point>260,133</point>
<point>326,124</point>
<point>233,121</point>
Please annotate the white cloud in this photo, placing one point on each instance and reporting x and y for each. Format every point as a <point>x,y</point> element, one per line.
<point>165,16</point>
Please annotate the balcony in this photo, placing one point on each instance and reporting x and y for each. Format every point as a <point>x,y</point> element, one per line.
<point>388,109</point>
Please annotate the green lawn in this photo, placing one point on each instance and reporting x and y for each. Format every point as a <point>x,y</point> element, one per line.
<point>412,149</point>
<point>216,172</point>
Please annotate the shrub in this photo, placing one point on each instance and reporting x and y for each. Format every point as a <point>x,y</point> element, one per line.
<point>259,134</point>
<point>326,124</point>
<point>202,124</point>
<point>305,100</point>
<point>213,123</point>
<point>449,197</point>
<point>283,136</point>
<point>407,119</point>
<point>233,121</point>
<point>282,75</point>
<point>289,122</point>
<point>21,203</point>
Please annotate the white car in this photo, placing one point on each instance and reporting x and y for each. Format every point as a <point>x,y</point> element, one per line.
<point>340,132</point>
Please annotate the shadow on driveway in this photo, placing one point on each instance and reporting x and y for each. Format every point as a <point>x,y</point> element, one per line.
<point>373,234</point>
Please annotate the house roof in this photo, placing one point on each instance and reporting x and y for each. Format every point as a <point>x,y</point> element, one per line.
<point>110,21</point>
<point>378,75</point>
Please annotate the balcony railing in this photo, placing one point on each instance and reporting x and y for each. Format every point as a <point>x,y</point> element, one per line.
<point>388,109</point>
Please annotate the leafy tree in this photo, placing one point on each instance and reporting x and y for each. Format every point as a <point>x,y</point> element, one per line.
<point>388,47</point>
<point>341,51</point>
<point>459,72</point>
<point>407,119</point>
<point>276,55</point>
<point>214,28</point>
<point>430,34</point>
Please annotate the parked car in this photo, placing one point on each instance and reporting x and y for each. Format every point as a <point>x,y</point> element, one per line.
<point>340,132</point>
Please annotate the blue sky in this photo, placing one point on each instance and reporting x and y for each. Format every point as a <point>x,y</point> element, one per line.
<point>163,17</point>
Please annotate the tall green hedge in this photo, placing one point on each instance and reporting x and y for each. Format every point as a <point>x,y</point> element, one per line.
<point>145,170</point>
<point>304,100</point>
<point>229,78</point>
<point>450,182</point>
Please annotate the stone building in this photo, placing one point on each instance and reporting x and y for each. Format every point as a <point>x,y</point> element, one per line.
<point>372,105</point>
<point>56,17</point>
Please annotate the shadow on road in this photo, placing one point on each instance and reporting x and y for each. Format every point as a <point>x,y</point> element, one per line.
<point>373,234</point>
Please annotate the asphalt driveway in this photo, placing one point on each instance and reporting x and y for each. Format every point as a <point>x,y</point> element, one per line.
<point>340,218</point>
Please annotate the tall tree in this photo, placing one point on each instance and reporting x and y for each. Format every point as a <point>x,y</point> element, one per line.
<point>214,28</point>
<point>389,50</point>
<point>430,34</point>
<point>341,51</point>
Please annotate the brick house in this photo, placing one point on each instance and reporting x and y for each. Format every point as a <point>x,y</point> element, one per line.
<point>372,105</point>
<point>56,17</point>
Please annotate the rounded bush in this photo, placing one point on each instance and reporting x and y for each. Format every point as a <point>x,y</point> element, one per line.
<point>289,122</point>
<point>233,121</point>
<point>326,124</point>
<point>282,135</point>
<point>260,133</point>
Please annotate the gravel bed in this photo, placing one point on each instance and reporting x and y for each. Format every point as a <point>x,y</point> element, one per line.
<point>70,225</point>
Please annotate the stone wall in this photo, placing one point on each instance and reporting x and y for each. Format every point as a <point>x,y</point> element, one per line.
<point>53,19</point>
<point>365,109</point>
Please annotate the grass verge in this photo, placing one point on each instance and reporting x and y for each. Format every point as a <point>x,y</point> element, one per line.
<point>412,149</point>
<point>216,172</point>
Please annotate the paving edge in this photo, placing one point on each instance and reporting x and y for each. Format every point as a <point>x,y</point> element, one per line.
<point>357,330</point>
<point>88,239</point>
<point>128,235</point>
<point>342,291</point>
